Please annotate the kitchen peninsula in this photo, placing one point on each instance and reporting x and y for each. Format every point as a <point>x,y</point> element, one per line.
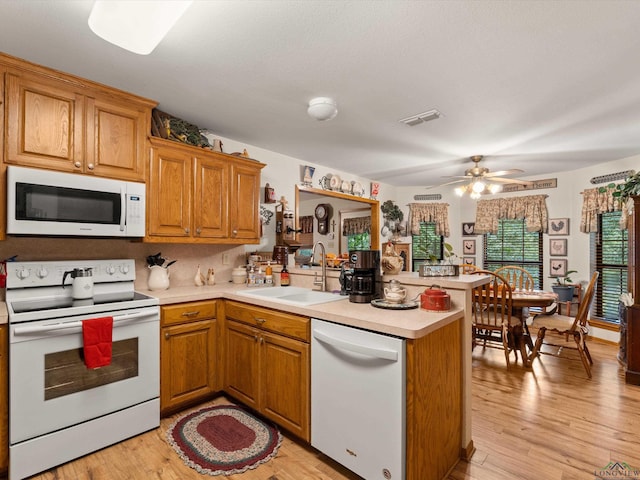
<point>438,372</point>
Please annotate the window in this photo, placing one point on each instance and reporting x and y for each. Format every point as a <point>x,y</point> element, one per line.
<point>609,253</point>
<point>513,245</point>
<point>359,241</point>
<point>426,245</point>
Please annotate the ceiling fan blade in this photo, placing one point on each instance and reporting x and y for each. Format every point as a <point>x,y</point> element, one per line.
<point>465,177</point>
<point>444,184</point>
<point>502,173</point>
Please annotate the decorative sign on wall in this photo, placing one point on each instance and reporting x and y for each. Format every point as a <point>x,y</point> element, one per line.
<point>558,267</point>
<point>468,247</point>
<point>533,185</point>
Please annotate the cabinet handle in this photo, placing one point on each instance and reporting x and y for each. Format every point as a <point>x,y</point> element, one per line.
<point>261,340</point>
<point>198,230</point>
<point>186,230</point>
<point>234,232</point>
<point>167,335</point>
<point>90,166</point>
<point>190,314</point>
<point>77,164</point>
<point>261,320</point>
<point>255,338</point>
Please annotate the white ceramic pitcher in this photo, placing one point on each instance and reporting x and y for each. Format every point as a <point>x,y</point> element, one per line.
<point>158,278</point>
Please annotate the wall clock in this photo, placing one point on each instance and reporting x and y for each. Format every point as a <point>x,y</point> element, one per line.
<point>323,212</point>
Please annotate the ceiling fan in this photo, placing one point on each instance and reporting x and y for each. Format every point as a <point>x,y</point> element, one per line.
<point>480,179</point>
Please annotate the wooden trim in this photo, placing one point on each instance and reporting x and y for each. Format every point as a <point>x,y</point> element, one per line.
<point>612,327</point>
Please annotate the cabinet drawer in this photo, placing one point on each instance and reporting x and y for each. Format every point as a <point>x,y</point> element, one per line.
<point>294,326</point>
<point>188,312</point>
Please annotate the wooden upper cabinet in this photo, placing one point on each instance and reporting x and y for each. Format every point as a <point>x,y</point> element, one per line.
<point>169,193</point>
<point>211,215</point>
<point>244,202</point>
<point>116,139</point>
<point>44,124</point>
<point>200,196</point>
<point>58,124</point>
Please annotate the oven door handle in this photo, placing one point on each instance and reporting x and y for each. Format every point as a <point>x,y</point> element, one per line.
<point>29,329</point>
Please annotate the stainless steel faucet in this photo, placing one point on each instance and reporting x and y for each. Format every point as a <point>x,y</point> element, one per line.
<point>322,281</point>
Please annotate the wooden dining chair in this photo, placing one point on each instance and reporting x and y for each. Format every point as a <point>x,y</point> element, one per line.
<point>492,323</point>
<point>572,329</point>
<point>517,277</point>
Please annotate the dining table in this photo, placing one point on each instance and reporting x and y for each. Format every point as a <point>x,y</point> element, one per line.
<point>521,301</point>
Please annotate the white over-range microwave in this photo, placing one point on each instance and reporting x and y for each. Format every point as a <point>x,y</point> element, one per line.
<point>43,202</point>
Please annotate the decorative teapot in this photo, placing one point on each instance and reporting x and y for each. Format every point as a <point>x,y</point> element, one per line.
<point>395,292</point>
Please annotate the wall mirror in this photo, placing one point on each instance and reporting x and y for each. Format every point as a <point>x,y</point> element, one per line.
<point>315,207</point>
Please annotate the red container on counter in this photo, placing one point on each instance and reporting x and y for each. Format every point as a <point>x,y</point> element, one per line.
<point>435,299</point>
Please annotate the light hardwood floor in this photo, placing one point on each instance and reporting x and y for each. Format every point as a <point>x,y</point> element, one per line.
<point>548,423</point>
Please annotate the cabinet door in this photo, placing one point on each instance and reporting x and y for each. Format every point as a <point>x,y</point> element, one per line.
<point>244,202</point>
<point>116,139</point>
<point>4,400</point>
<point>44,124</point>
<point>211,182</point>
<point>188,363</point>
<point>169,193</point>
<point>3,167</point>
<point>285,398</point>
<point>241,363</point>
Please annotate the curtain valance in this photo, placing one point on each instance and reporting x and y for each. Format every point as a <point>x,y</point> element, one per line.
<point>437,213</point>
<point>531,208</point>
<point>355,226</point>
<point>596,201</point>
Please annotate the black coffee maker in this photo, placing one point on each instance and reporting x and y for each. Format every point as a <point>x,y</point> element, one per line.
<point>364,282</point>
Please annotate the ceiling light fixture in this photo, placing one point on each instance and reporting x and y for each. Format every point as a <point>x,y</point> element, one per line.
<point>421,118</point>
<point>476,188</point>
<point>323,108</point>
<point>135,25</point>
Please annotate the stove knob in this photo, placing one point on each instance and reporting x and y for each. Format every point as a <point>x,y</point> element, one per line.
<point>42,272</point>
<point>124,269</point>
<point>24,273</point>
<point>111,269</point>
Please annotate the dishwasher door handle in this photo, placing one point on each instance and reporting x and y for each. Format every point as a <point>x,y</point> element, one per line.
<point>356,347</point>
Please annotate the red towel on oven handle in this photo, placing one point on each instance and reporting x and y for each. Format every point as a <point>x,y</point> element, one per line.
<point>96,336</point>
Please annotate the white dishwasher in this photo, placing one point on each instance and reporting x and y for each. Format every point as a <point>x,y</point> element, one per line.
<point>358,399</point>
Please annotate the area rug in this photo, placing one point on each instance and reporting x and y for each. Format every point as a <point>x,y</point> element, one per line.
<point>223,440</point>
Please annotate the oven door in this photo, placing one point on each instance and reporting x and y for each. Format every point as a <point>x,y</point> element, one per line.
<point>50,386</point>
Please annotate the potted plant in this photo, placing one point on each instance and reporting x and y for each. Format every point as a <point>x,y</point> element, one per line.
<point>393,216</point>
<point>563,287</point>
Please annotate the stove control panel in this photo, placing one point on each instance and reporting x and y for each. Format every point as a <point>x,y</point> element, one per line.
<point>50,273</point>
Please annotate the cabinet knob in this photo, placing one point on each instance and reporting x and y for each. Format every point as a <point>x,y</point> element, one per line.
<point>90,166</point>
<point>77,164</point>
<point>261,340</point>
<point>186,230</point>
<point>167,335</point>
<point>198,230</point>
<point>255,338</point>
<point>234,232</point>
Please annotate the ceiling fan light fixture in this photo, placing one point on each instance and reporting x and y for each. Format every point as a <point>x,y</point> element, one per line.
<point>478,186</point>
<point>322,108</point>
<point>495,188</point>
<point>461,190</point>
<point>135,25</point>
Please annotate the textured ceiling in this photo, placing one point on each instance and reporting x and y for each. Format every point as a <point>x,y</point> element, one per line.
<point>544,86</point>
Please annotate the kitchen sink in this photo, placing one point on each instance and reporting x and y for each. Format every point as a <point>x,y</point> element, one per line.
<point>291,295</point>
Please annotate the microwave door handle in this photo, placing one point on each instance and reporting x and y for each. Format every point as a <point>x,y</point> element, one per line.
<point>123,209</point>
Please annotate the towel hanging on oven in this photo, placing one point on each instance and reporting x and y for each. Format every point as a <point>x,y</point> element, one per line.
<point>97,341</point>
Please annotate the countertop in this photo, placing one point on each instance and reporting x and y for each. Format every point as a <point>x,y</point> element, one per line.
<point>413,323</point>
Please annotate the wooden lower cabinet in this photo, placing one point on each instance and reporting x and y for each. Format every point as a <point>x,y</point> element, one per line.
<point>267,364</point>
<point>4,400</point>
<point>188,354</point>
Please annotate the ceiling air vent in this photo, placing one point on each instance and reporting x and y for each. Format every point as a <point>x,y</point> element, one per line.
<point>430,196</point>
<point>421,117</point>
<point>612,177</point>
